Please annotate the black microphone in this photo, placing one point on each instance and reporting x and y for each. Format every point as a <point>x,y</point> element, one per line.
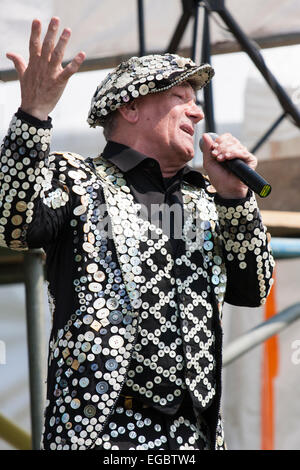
<point>252,179</point>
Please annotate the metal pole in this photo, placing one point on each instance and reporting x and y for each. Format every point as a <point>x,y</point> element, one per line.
<point>207,91</point>
<point>268,133</point>
<point>188,7</point>
<point>195,33</point>
<point>34,280</point>
<point>254,54</point>
<point>141,25</point>
<point>14,435</point>
<point>285,248</point>
<point>260,333</point>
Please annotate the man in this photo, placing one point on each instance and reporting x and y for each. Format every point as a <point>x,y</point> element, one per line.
<point>139,249</point>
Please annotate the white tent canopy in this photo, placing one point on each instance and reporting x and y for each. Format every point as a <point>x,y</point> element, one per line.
<point>107,30</point>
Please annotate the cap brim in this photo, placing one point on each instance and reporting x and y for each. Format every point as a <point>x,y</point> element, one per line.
<point>198,76</point>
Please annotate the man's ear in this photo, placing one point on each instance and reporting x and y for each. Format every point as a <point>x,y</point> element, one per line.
<point>130,111</point>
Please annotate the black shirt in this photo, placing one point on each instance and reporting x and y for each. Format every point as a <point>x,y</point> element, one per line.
<point>149,187</point>
<point>153,186</point>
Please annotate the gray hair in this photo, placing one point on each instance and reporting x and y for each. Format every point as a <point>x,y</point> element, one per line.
<point>109,125</point>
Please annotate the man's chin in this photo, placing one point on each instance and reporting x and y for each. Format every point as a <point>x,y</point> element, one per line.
<point>189,153</point>
<point>183,154</point>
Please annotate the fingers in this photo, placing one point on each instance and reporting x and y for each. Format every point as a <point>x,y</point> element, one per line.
<point>54,54</point>
<point>49,40</point>
<point>228,147</point>
<point>44,79</point>
<point>72,67</point>
<point>58,52</point>
<point>19,63</point>
<point>35,39</point>
<point>229,153</point>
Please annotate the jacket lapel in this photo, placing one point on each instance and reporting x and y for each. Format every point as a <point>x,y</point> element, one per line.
<point>125,227</point>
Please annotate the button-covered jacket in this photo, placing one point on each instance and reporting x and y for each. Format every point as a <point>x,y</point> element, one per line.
<point>83,215</point>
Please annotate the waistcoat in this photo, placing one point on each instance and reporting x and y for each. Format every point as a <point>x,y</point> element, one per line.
<point>157,373</point>
<point>176,352</point>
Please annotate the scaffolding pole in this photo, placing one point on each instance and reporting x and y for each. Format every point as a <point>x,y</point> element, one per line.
<point>34,280</point>
<point>260,333</point>
<point>14,435</point>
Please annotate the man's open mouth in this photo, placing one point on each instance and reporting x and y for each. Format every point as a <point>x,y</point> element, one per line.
<point>187,129</point>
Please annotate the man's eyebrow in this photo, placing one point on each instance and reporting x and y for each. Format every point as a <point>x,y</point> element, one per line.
<point>188,85</point>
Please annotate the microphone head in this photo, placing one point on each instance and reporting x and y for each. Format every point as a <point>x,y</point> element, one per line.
<point>212,135</point>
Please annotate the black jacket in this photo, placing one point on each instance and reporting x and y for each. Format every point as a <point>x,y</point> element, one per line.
<point>83,215</point>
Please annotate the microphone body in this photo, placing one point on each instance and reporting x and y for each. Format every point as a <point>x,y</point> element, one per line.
<point>247,175</point>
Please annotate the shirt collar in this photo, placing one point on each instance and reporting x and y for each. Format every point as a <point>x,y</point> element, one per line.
<point>126,159</point>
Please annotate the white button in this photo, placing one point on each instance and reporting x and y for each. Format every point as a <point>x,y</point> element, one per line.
<point>99,303</point>
<point>116,342</point>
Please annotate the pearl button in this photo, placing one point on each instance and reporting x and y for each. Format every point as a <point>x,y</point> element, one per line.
<point>116,342</point>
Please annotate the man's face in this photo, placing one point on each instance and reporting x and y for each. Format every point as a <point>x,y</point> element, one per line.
<point>167,123</point>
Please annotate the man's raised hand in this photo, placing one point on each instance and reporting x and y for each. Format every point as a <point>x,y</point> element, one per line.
<point>44,79</point>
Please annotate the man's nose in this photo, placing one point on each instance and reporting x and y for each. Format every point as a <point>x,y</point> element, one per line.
<point>195,112</point>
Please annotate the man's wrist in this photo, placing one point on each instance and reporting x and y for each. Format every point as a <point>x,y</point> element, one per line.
<point>240,194</point>
<point>38,114</point>
<point>233,201</point>
<point>25,116</point>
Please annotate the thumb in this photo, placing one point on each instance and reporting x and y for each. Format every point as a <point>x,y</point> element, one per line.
<point>207,147</point>
<point>19,63</point>
<point>207,143</point>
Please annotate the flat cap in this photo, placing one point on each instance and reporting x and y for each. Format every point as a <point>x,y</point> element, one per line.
<point>142,75</point>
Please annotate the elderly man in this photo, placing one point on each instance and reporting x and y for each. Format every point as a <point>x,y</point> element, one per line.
<point>141,251</point>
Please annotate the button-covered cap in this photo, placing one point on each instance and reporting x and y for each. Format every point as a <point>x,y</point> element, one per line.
<point>142,75</point>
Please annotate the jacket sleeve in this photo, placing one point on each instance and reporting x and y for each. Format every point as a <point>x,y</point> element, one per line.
<point>35,199</point>
<point>247,252</point>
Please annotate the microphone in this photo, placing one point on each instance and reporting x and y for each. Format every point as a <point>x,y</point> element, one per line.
<point>248,176</point>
